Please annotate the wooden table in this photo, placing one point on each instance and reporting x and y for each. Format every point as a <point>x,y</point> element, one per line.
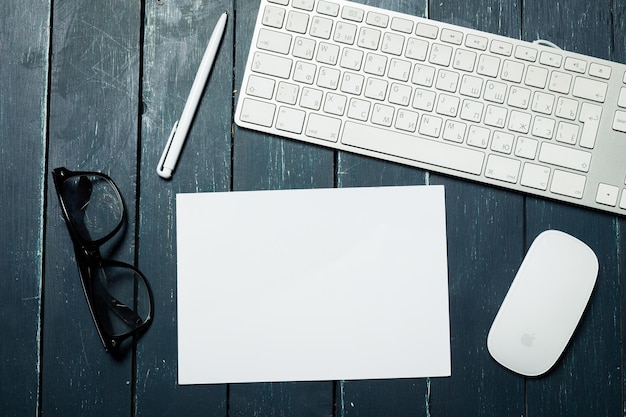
<point>97,85</point>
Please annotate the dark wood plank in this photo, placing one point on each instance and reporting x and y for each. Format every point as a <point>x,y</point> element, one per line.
<point>265,162</point>
<point>269,162</point>
<point>175,37</point>
<point>403,397</point>
<point>23,76</point>
<point>93,126</point>
<point>485,248</point>
<point>594,354</point>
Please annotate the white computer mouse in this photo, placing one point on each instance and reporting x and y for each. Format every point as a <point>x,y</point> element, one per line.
<point>544,304</point>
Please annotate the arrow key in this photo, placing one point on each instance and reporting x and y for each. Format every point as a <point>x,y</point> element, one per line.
<point>607,195</point>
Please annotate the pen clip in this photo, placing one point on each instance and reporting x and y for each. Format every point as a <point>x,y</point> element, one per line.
<point>163,172</point>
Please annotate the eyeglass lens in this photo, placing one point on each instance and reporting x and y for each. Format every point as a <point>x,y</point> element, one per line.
<point>94,205</point>
<point>123,303</point>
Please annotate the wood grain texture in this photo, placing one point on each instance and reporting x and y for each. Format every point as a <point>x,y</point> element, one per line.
<point>176,34</point>
<point>119,73</point>
<point>93,126</point>
<point>404,397</point>
<point>583,380</point>
<point>23,81</point>
<point>263,162</point>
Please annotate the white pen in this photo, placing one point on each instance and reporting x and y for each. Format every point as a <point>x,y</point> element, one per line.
<point>175,142</point>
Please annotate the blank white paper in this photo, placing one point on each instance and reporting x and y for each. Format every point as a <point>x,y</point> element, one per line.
<point>303,285</point>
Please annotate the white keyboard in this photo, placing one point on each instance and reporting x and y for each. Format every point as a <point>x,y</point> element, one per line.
<point>470,104</point>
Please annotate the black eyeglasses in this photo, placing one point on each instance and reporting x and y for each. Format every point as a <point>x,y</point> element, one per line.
<point>118,294</point>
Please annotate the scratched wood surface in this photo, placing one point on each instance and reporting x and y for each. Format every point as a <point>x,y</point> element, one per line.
<point>98,86</point>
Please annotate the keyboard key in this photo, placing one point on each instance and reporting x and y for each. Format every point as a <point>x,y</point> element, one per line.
<point>622,202</point>
<point>297,22</point>
<point>257,112</point>
<point>352,13</point>
<point>526,147</point>
<point>427,31</point>
<point>352,83</point>
<point>607,195</point>
<point>328,53</point>
<point>430,126</point>
<point>599,70</point>
<point>451,36</point>
<point>260,87</point>
<point>464,60</point>
<point>503,169</point>
<point>440,55</point>
<point>382,115</point>
<point>478,137</point>
<point>401,25</point>
<point>519,122</point>
<point>273,16</point>
<point>413,148</point>
<point>287,93</point>
<point>560,82</point>
<point>536,76</point>
<point>619,121</point>
<point>566,108</point>
<point>590,116</point>
<point>535,176</point>
<point>369,38</point>
<point>567,133</point>
<point>590,89</point>
<point>323,127</point>
<point>501,48</point>
<point>335,104</point>
<point>471,86</point>
<point>502,142</point>
<point>375,64</point>
<point>303,48</point>
<point>543,127</point>
<point>377,19</point>
<point>423,75</point>
<point>270,40</point>
<point>303,4</point>
<point>417,49</point>
<point>359,109</point>
<point>328,78</point>
<point>311,98</point>
<point>321,27</point>
<point>576,65</point>
<point>565,157</point>
<point>407,120</point>
<point>399,70</point>
<point>621,101</point>
<point>328,8</point>
<point>568,184</point>
<point>495,92</point>
<point>345,33</point>
<point>393,43</point>
<point>526,53</point>
<point>488,65</point>
<point>351,59</point>
<point>290,120</point>
<point>512,71</point>
<point>550,59</point>
<point>476,42</point>
<point>304,72</point>
<point>271,65</point>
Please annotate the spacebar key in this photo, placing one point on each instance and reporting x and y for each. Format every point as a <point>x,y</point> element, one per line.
<point>413,147</point>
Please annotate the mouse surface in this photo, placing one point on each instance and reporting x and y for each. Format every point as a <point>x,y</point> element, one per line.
<point>544,304</point>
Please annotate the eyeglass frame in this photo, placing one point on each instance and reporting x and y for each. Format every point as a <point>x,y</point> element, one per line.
<point>88,259</point>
